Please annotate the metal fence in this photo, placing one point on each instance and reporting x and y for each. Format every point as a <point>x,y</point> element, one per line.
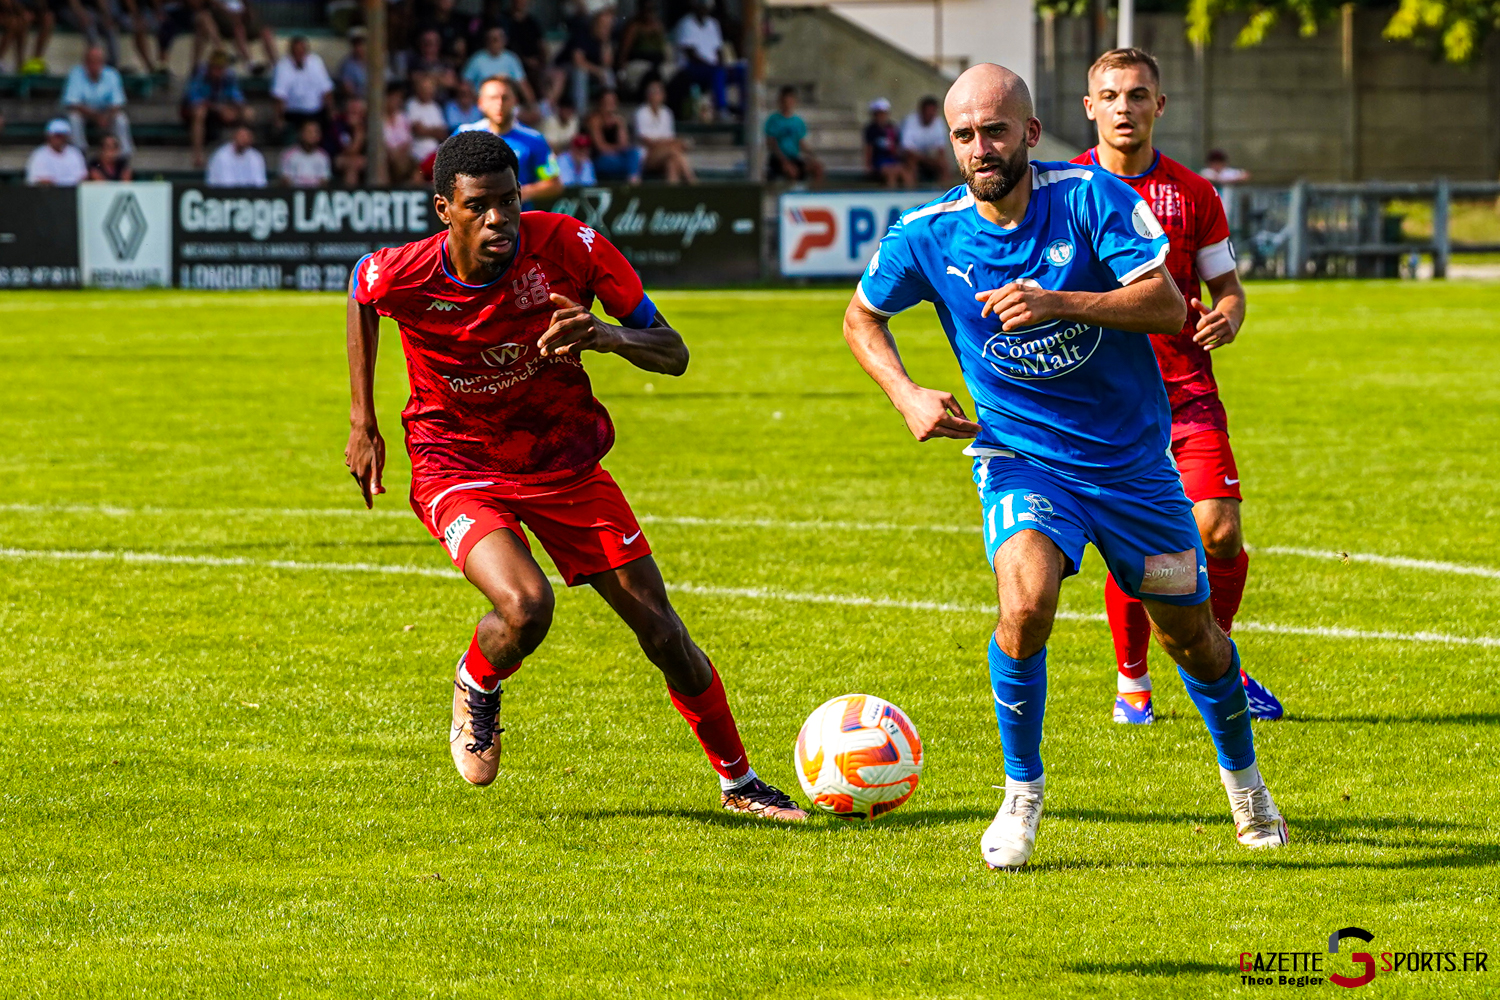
<point>1348,230</point>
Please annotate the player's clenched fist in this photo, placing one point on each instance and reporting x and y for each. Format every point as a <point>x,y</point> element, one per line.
<point>1020,303</point>
<point>364,456</point>
<point>1214,329</point>
<point>931,414</point>
<point>574,330</point>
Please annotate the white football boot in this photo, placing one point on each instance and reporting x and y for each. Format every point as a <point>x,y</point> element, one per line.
<point>1257,822</point>
<point>1011,838</point>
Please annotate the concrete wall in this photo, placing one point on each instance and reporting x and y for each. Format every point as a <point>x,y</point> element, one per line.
<point>1289,108</point>
<point>954,34</point>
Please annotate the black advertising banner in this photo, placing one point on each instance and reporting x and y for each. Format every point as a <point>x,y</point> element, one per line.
<point>676,235</point>
<point>281,238</point>
<point>38,237</point>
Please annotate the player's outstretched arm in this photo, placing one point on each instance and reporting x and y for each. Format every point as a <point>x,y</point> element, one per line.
<point>364,455</point>
<point>1150,304</point>
<point>574,329</point>
<point>928,413</point>
<point>1221,324</point>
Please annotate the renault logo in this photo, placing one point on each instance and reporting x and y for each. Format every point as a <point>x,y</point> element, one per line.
<point>125,227</point>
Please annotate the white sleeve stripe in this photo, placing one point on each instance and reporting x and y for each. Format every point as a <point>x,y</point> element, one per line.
<point>864,299</point>
<point>1215,260</point>
<point>1141,271</point>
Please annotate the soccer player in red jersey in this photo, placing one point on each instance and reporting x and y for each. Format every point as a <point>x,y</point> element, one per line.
<point>503,431</point>
<point>1124,100</point>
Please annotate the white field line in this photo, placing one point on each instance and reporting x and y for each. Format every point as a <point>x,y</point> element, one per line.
<point>747,593</point>
<point>1396,562</point>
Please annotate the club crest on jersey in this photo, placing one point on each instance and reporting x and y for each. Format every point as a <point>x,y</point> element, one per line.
<point>531,289</point>
<point>1145,222</point>
<point>502,355</point>
<point>453,535</point>
<point>442,305</point>
<point>1059,252</point>
<point>587,235</point>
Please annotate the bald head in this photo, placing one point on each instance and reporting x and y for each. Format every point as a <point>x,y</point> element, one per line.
<point>990,90</point>
<point>992,127</point>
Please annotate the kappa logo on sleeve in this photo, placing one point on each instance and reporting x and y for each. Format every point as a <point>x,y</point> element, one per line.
<point>371,274</point>
<point>587,235</point>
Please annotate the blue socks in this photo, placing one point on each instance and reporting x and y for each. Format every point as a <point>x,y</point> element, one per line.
<point>1225,711</point>
<point>1019,688</point>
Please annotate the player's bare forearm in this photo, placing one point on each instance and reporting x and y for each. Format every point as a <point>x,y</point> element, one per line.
<point>364,455</point>
<point>1220,325</point>
<point>928,413</point>
<point>574,329</point>
<point>1150,304</point>
<point>544,190</point>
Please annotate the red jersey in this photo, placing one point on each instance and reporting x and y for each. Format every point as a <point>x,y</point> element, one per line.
<point>1189,209</point>
<point>484,402</point>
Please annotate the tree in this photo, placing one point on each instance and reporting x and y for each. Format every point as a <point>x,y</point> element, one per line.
<point>1459,26</point>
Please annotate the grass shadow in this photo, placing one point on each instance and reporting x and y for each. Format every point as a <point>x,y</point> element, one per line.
<point>1457,719</point>
<point>1156,968</point>
<point>817,821</point>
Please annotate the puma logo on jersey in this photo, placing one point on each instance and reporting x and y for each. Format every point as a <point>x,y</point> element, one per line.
<point>442,305</point>
<point>587,235</point>
<point>963,274</point>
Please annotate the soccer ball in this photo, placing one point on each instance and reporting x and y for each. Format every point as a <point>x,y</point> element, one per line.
<point>858,756</point>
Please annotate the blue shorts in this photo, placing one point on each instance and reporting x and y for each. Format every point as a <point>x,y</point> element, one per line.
<point>1144,529</point>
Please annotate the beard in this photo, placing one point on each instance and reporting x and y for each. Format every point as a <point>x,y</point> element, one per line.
<point>994,188</point>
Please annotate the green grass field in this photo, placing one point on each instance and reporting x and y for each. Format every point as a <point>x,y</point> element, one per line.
<point>224,764</point>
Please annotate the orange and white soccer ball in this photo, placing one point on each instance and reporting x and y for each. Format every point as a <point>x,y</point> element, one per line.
<point>858,756</point>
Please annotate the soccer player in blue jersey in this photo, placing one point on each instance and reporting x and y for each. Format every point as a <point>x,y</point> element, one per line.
<point>499,98</point>
<point>1046,278</point>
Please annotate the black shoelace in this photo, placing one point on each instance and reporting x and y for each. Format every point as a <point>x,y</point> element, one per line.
<point>770,795</point>
<point>482,711</point>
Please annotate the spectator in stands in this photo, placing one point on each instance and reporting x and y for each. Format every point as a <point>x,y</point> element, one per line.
<point>237,20</point>
<point>560,124</point>
<point>700,57</point>
<point>397,133</point>
<point>237,163</point>
<point>353,78</point>
<point>300,87</point>
<point>589,58</point>
<point>429,59</point>
<point>462,108</point>
<point>883,163</point>
<point>178,17</point>
<point>526,40</point>
<point>785,133</point>
<point>657,131</point>
<point>925,146</point>
<point>345,141</point>
<point>1217,171</point>
<point>26,15</point>
<point>425,116</point>
<point>56,162</point>
<point>615,157</point>
<point>306,165</point>
<point>643,49</point>
<point>212,100</point>
<point>110,164</point>
<point>576,166</point>
<point>95,96</point>
<point>495,60</point>
<point>453,27</point>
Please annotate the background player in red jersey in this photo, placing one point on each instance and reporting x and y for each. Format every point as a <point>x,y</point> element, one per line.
<point>504,431</point>
<point>1124,101</point>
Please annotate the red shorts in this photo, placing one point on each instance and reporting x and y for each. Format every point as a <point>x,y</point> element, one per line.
<point>584,522</point>
<point>1206,464</point>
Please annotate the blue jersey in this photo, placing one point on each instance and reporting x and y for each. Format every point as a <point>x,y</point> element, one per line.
<point>1085,400</point>
<point>532,151</point>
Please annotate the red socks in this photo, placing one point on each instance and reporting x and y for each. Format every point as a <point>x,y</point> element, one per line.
<point>481,671</point>
<point>708,713</point>
<point>1131,631</point>
<point>1227,578</point>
